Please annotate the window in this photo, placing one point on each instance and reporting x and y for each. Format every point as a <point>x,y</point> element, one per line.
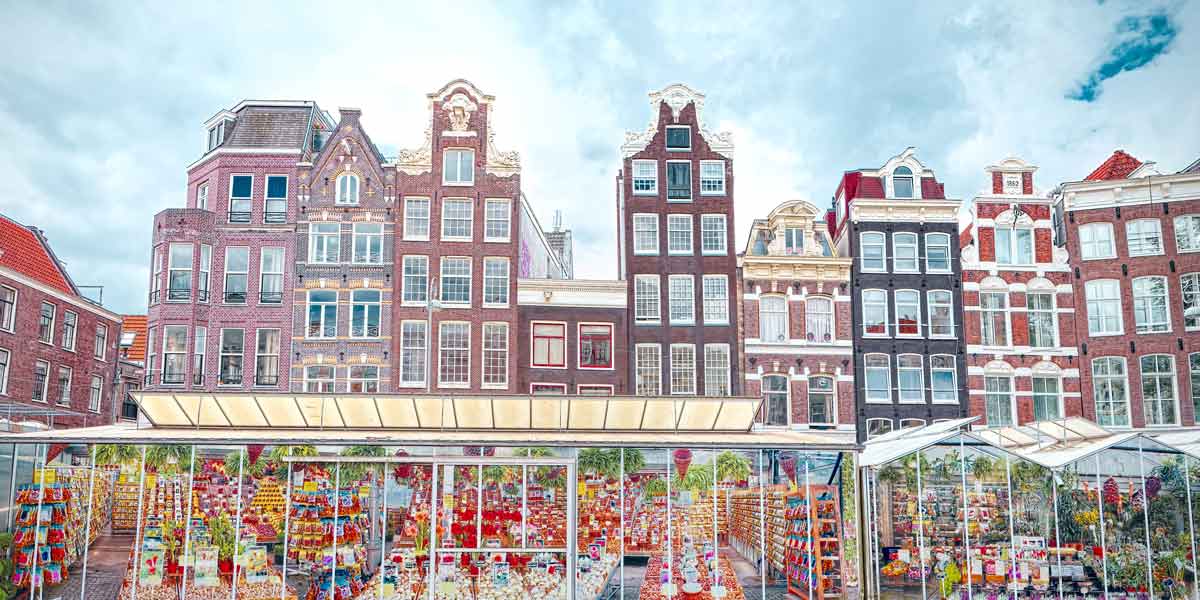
<point>416,279</point>
<point>205,273</point>
<point>1193,366</point>
<point>1190,287</point>
<point>993,308</point>
<point>911,423</point>
<point>216,135</point>
<point>818,319</point>
<point>179,272</point>
<point>100,345</point>
<point>821,407</point>
<point>365,306</point>
<point>496,221</point>
<point>548,389</point>
<point>998,400</point>
<point>495,355</point>
<point>96,392</point>
<point>1104,307</point>
<point>70,327</point>
<point>1043,324</point>
<point>239,198</point>
<point>412,353</point>
<point>908,312</point>
<point>46,324</point>
<point>5,357</point>
<point>1047,401</point>
<point>8,308</point>
<point>875,312</point>
<point>322,314</point>
<point>645,177</point>
<point>232,345</point>
<point>679,180</point>
<point>1096,241</point>
<point>237,271</point>
<point>318,379</point>
<point>645,234</point>
<point>1144,237</point>
<point>598,389</point>
<point>679,234</point>
<point>458,167</point>
<point>595,346</point>
<point>941,313</point>
<point>793,240</point>
<point>775,400</point>
<point>41,381</point>
<point>1158,390</point>
<point>1150,314</point>
<point>277,192</point>
<point>174,365</point>
<point>679,137</point>
<point>878,427</point>
<point>716,299</point>
<point>874,252</point>
<point>324,242</point>
<point>549,345</point>
<point>270,274</point>
<point>647,305</point>
<point>495,281</point>
<point>716,370</point>
<point>1110,391</point>
<point>648,369</point>
<point>902,182</point>
<point>456,280</point>
<point>1187,233</point>
<point>64,385</point>
<point>773,319</point>
<point>878,378</point>
<point>910,378</point>
<point>904,249</point>
<point>937,252</point>
<point>368,243</point>
<point>457,214</point>
<point>683,369</point>
<point>1014,246</point>
<point>943,379</point>
<point>199,346</point>
<point>416,218</point>
<point>712,177</point>
<point>712,234</point>
<point>202,196</point>
<point>364,379</point>
<point>156,278</point>
<point>347,189</point>
<point>454,354</point>
<point>266,357</point>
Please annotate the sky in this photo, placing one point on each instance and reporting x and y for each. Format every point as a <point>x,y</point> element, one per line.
<point>102,104</point>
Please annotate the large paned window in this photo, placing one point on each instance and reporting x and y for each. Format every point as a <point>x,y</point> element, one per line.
<point>712,177</point>
<point>1096,241</point>
<point>775,399</point>
<point>998,400</point>
<point>716,370</point>
<point>993,310</point>
<point>878,427</point>
<point>679,181</point>
<point>821,404</point>
<point>595,346</point>
<point>904,250</point>
<point>937,252</point>
<point>1043,324</point>
<point>240,188</point>
<point>365,308</point>
<point>1047,399</point>
<point>1144,237</point>
<point>910,379</point>
<point>941,313</point>
<point>368,243</point>
<point>174,354</point>
<point>712,235</point>
<point>683,369</point>
<point>647,299</point>
<point>818,320</point>
<point>70,330</point>
<point>199,348</point>
<point>679,234</point>
<point>497,217</point>
<point>454,354</point>
<point>877,378</point>
<point>416,219</point>
<point>1150,313</point>
<point>276,199</point>
<point>457,216</point>
<point>46,323</point>
<point>648,369</point>
<point>324,243</point>
<point>41,381</point>
<point>65,374</point>
<point>773,319</point>
<point>347,189</point>
<point>100,344</point>
<point>874,252</point>
<point>1104,307</point>
<point>319,379</point>
<point>1187,233</point>
<point>549,345</point>
<point>5,358</point>
<point>270,274</point>
<point>322,314</point>
<point>1190,296</point>
<point>156,277</point>
<point>412,353</point>
<point>179,272</point>
<point>204,282</point>
<point>1111,392</point>
<point>645,177</point>
<point>943,379</point>
<point>363,379</point>
<point>495,281</point>
<point>456,280</point>
<point>908,312</point>
<point>8,308</point>
<point>793,240</point>
<point>266,357</point>
<point>875,312</point>
<point>645,234</point>
<point>95,393</point>
<point>237,274</point>
<point>679,138</point>
<point>1159,400</point>
<point>682,299</point>
<point>233,343</point>
<point>458,167</point>
<point>716,299</point>
<point>495,355</point>
<point>902,182</point>
<point>416,279</point>
<point>1014,246</point>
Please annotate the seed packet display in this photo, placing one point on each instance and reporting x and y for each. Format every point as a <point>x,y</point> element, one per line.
<point>256,564</point>
<point>150,570</point>
<point>206,568</point>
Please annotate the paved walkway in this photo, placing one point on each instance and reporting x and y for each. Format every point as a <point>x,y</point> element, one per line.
<point>107,561</point>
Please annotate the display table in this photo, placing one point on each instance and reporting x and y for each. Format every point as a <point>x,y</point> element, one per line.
<point>653,587</point>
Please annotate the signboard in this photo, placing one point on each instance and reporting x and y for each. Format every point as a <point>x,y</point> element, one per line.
<point>256,564</point>
<point>206,568</point>
<point>150,571</point>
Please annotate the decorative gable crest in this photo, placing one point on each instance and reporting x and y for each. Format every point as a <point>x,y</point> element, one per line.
<point>676,96</point>
<point>458,111</point>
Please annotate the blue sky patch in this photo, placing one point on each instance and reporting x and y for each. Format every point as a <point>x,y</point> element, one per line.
<point>1139,40</point>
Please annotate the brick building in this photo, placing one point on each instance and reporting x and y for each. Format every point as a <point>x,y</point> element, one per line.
<point>572,336</point>
<point>58,349</point>
<point>902,231</point>
<point>1017,296</point>
<point>675,222</point>
<point>795,319</point>
<point>131,365</point>
<point>1133,236</point>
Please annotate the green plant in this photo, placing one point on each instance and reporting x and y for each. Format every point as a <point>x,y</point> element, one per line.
<point>7,589</point>
<point>634,460</point>
<point>698,479</point>
<point>982,467</point>
<point>220,528</point>
<point>168,459</point>
<point>118,454</point>
<point>657,486</point>
<point>232,461</point>
<point>732,466</point>
<point>596,461</point>
<point>354,472</point>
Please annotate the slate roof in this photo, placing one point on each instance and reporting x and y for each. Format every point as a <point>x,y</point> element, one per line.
<point>24,250</point>
<point>1118,166</point>
<point>270,127</point>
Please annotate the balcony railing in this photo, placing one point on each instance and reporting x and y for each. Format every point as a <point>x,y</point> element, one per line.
<point>235,297</point>
<point>270,297</point>
<point>369,331</point>
<point>154,296</point>
<point>239,217</point>
<point>202,295</point>
<point>231,378</point>
<point>179,293</point>
<point>198,378</point>
<point>266,379</point>
<point>173,378</point>
<point>274,217</point>
<point>679,192</point>
<point>318,331</point>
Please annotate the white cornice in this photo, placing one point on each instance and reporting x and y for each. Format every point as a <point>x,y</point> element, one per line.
<point>571,293</point>
<point>1084,195</point>
<point>904,211</point>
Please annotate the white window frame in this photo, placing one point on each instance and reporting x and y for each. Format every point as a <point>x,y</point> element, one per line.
<point>1189,301</point>
<point>172,268</point>
<point>364,384</point>
<point>579,346</point>
<point>96,393</point>
<point>263,273</point>
<point>1095,306</point>
<point>813,317</point>
<point>357,233</point>
<point>1090,241</point>
<point>1012,235</point>
<point>942,241</point>
<point>1144,234</point>
<point>985,314</point>
<point>1142,302</point>
<point>268,199</point>
<point>5,367</point>
<point>48,339</point>
<point>261,335</point>
<point>678,295</point>
<point>716,183</point>
<point>491,281</point>
<point>683,377</point>
<point>897,245</point>
<point>321,385</point>
<point>915,363</point>
<point>325,316</point>
<point>1035,395</point>
<point>407,350</point>
<point>886,368</point>
<point>100,343</point>
<point>640,249</point>
<point>880,302</point>
<point>70,330</point>
<point>768,399</point>
<point>1187,241</point>
<point>64,391</point>
<point>331,243</point>
<point>914,184</point>
<point>446,218</point>
<point>204,280</point>
<point>717,370</point>
<point>442,349</point>
<point>1031,312</point>
<point>45,395</point>
<point>362,330</point>
<point>642,300</point>
<point>454,260</point>
<point>675,227</point>
<point>708,225</point>
<point>649,183</point>
<point>1162,381</point>
<point>156,277</point>
<point>883,251</point>
<point>715,294</point>
<point>8,320</point>
<point>180,352</point>
<point>411,203</point>
<point>202,196</point>
<point>915,303</point>
<point>793,241</point>
<point>952,389</point>
<point>248,200</point>
<point>347,189</point>
<point>641,370</point>
<point>689,146</point>
<point>1008,396</point>
<point>488,219</point>
<point>229,250</point>
<point>931,305</point>
<point>890,427</point>
<point>1099,381</point>
<point>459,179</point>
<point>775,314</point>
<point>221,354</point>
<point>405,288</point>
<point>496,351</point>
<point>547,388</point>
<point>534,337</point>
<point>833,401</point>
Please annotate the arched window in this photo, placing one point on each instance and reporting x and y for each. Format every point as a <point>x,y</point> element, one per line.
<point>878,427</point>
<point>347,189</point>
<point>818,319</point>
<point>775,399</point>
<point>821,405</point>
<point>902,182</point>
<point>773,319</point>
<point>911,423</point>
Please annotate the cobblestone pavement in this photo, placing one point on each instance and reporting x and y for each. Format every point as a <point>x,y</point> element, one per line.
<point>107,561</point>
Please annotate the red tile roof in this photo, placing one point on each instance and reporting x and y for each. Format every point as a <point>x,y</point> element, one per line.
<point>1118,166</point>
<point>135,324</point>
<point>932,190</point>
<point>25,251</point>
<point>966,236</point>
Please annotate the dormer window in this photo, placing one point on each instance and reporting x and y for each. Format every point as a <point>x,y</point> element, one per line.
<point>679,137</point>
<point>347,189</point>
<point>902,182</point>
<point>793,238</point>
<point>216,134</point>
<point>1013,184</point>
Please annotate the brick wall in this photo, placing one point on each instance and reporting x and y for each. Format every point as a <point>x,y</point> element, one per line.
<point>573,376</point>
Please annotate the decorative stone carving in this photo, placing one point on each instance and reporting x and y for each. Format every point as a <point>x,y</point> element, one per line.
<point>458,111</point>
<point>676,96</point>
<point>418,160</point>
<point>500,163</point>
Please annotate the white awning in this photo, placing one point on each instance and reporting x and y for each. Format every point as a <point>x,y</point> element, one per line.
<point>435,412</point>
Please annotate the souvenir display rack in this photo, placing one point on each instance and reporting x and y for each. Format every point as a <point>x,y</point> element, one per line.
<point>39,546</point>
<point>319,514</point>
<point>745,523</point>
<point>814,542</point>
<point>125,502</point>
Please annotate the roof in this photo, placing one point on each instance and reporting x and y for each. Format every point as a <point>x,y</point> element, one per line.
<point>135,327</point>
<point>1118,166</point>
<point>1192,168</point>
<point>24,250</point>
<point>966,236</point>
<point>270,127</point>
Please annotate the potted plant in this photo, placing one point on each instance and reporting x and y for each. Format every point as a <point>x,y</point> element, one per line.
<point>220,528</point>
<point>171,536</point>
<point>732,467</point>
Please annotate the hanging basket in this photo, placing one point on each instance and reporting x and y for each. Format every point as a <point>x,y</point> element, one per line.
<point>682,458</point>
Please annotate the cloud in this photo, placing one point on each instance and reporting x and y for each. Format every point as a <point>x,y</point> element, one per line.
<point>103,105</point>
